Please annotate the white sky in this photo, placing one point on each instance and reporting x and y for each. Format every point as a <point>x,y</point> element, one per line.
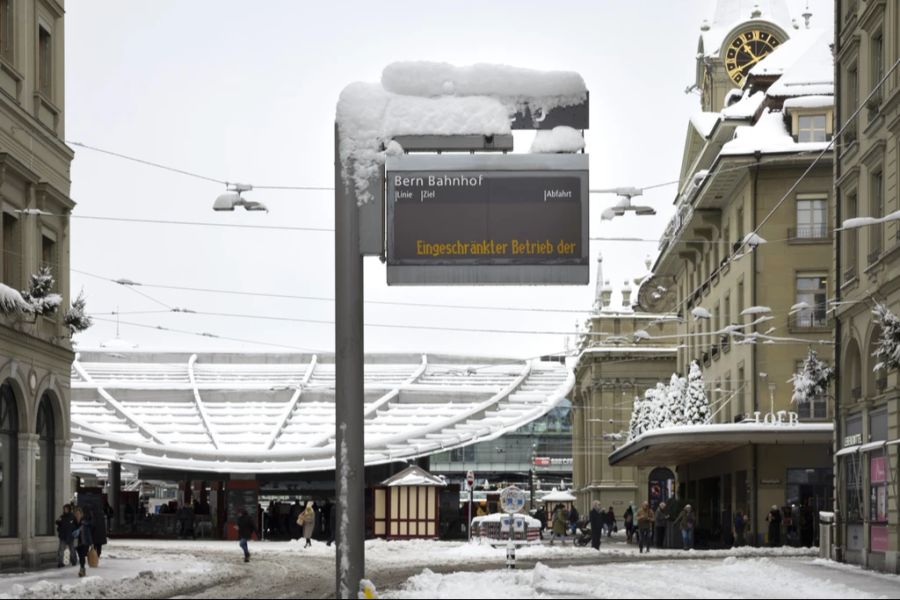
<point>247,92</point>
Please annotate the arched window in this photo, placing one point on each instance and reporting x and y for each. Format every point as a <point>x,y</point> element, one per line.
<point>9,459</point>
<point>852,387</point>
<point>660,486</point>
<point>44,469</point>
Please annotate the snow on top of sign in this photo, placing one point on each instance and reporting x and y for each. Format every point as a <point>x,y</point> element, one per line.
<point>816,101</point>
<point>429,79</point>
<point>422,98</point>
<point>558,139</point>
<point>756,310</point>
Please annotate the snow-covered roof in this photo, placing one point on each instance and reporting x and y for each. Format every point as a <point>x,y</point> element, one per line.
<point>274,413</point>
<point>682,444</point>
<point>768,135</point>
<point>413,475</point>
<point>558,496</point>
<point>806,70</point>
<point>809,102</point>
<point>704,122</point>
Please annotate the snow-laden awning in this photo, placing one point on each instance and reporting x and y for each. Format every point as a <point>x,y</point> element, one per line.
<point>688,443</point>
<point>274,413</point>
<point>558,496</point>
<point>414,476</point>
<point>847,450</point>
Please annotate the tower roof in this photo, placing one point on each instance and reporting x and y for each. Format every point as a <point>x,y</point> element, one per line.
<point>730,14</point>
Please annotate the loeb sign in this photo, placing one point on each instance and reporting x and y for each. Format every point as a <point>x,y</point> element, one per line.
<point>487,219</point>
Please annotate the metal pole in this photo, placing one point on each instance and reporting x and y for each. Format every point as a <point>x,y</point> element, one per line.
<point>471,500</point>
<point>349,472</point>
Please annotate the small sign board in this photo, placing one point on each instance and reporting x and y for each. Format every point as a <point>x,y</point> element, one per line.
<point>470,478</point>
<point>512,499</point>
<point>487,219</point>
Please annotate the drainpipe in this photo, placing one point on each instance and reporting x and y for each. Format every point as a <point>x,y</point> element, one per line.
<point>838,551</point>
<point>754,490</point>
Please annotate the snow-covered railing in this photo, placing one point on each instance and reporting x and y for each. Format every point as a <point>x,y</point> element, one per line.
<point>289,409</point>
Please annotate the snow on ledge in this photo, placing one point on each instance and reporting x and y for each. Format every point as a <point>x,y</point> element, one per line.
<point>558,139</point>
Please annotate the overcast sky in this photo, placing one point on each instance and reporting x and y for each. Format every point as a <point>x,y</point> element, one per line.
<point>246,92</point>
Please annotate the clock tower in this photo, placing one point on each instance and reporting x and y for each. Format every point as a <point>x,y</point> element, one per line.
<point>741,33</point>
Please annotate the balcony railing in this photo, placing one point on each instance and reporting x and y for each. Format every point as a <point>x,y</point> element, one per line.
<point>856,393</point>
<point>849,274</point>
<point>706,358</point>
<point>809,232</point>
<point>810,319</point>
<point>881,384</point>
<point>714,351</point>
<point>725,342</point>
<point>874,255</point>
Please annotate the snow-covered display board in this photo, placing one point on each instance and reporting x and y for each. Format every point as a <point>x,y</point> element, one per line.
<point>487,219</point>
<point>478,218</point>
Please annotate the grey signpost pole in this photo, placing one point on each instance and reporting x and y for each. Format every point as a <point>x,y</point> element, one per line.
<point>349,409</point>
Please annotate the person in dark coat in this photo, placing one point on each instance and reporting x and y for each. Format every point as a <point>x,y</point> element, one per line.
<point>597,518</point>
<point>99,531</point>
<point>662,520</point>
<point>740,528</point>
<point>246,527</point>
<point>628,517</point>
<point>294,529</point>
<point>331,515</point>
<point>573,520</point>
<point>541,515</point>
<point>807,524</point>
<point>83,535</point>
<point>774,519</point>
<point>65,526</point>
<point>610,521</point>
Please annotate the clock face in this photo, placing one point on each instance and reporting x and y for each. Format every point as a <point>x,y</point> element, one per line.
<point>746,50</point>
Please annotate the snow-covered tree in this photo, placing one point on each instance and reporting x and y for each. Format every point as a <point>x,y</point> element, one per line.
<point>812,380</point>
<point>887,348</point>
<point>661,412</point>
<point>675,399</point>
<point>76,319</point>
<point>636,409</point>
<point>696,403</point>
<point>39,296</point>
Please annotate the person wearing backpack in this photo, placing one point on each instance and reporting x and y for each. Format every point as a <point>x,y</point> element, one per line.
<point>83,537</point>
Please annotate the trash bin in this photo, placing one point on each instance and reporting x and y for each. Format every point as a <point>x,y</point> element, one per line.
<point>826,527</point>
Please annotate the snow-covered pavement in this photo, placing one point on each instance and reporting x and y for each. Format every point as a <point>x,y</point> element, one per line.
<point>419,568</point>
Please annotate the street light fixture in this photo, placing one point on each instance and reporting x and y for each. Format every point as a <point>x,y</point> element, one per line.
<point>624,204</point>
<point>232,198</point>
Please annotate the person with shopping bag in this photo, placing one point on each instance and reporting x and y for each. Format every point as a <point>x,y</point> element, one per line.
<point>83,536</point>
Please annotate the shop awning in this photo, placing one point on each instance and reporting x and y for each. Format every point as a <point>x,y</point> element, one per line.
<point>848,450</point>
<point>690,443</point>
<point>872,446</point>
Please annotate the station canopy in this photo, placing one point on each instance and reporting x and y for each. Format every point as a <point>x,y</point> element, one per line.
<point>274,413</point>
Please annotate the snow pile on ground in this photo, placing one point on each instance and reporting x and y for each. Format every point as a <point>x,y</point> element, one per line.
<point>121,574</point>
<point>728,578</point>
<point>425,98</point>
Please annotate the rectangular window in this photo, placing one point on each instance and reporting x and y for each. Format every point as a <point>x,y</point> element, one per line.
<point>45,62</point>
<point>740,301</point>
<point>49,257</point>
<point>851,240</point>
<point>741,395</point>
<point>6,29</point>
<point>812,215</point>
<point>813,291</point>
<point>740,225</point>
<point>878,487</point>
<point>877,58</point>
<point>12,252</point>
<point>876,210</point>
<point>811,128</point>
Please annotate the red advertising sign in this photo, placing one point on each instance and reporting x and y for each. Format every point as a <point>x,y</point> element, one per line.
<point>878,469</point>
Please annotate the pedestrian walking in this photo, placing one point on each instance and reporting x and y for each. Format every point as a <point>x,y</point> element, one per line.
<point>645,520</point>
<point>559,523</point>
<point>597,518</point>
<point>331,511</point>
<point>661,518</point>
<point>740,526</point>
<point>687,519</point>
<point>541,515</point>
<point>307,520</point>
<point>83,536</point>
<point>246,528</point>
<point>610,522</point>
<point>628,518</point>
<point>807,524</point>
<point>573,519</point>
<point>774,519</point>
<point>65,527</point>
<point>99,530</point>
